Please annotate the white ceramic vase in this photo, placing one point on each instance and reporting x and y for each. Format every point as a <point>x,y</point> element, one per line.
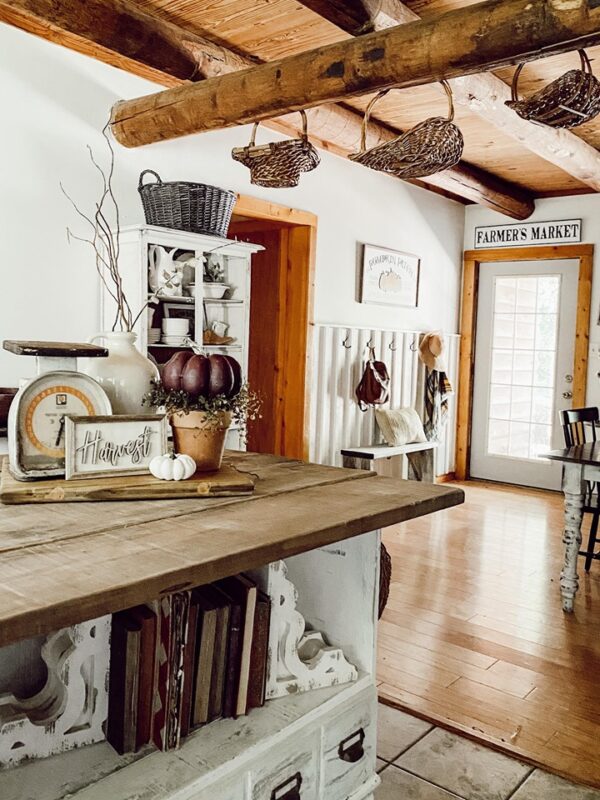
<point>125,374</point>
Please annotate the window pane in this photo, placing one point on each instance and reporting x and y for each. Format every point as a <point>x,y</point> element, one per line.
<point>504,330</point>
<point>498,433</point>
<point>502,366</point>
<point>527,294</point>
<point>541,406</point>
<point>541,436</point>
<point>518,445</point>
<point>500,402</point>
<point>548,293</point>
<point>545,337</point>
<point>505,295</point>
<point>523,368</point>
<point>525,331</point>
<point>520,407</point>
<point>543,370</point>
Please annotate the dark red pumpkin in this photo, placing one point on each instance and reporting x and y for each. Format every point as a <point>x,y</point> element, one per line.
<point>202,376</point>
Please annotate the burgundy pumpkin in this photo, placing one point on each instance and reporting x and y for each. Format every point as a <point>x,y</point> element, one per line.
<point>202,376</point>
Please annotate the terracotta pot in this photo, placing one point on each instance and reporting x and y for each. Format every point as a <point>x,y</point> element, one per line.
<point>201,438</point>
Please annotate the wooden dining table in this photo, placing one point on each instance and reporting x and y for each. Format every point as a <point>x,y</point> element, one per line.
<point>581,463</point>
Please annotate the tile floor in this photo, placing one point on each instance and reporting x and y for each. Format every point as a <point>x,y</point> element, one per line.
<point>418,761</point>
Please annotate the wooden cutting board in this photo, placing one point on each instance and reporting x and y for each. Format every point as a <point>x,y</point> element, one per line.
<point>228,481</point>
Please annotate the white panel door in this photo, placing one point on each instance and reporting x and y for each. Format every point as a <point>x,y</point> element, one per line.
<point>524,357</point>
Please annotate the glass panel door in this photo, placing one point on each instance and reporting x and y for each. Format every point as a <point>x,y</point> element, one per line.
<point>523,356</point>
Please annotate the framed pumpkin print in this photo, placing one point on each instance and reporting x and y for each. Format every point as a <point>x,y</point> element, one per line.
<point>390,277</point>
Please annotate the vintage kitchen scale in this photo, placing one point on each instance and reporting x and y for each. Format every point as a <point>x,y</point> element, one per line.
<point>36,420</point>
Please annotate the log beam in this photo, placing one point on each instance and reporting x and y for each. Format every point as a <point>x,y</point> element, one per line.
<point>482,94</point>
<point>468,40</point>
<point>121,34</point>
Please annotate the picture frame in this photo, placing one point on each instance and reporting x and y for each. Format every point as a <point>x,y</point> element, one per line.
<point>134,441</point>
<point>389,277</point>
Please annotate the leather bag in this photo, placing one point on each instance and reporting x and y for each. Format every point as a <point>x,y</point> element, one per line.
<point>374,386</point>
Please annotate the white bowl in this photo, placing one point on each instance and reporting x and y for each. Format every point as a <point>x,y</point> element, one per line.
<point>214,291</point>
<point>175,327</point>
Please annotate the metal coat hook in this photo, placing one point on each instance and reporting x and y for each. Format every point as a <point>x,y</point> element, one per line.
<point>346,345</point>
<point>370,343</point>
<point>392,346</point>
<point>413,346</point>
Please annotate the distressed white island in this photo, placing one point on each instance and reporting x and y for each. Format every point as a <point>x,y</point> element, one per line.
<point>309,533</point>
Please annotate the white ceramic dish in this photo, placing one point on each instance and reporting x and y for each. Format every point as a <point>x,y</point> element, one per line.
<point>214,291</point>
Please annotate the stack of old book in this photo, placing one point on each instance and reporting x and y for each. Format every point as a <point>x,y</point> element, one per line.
<point>186,660</point>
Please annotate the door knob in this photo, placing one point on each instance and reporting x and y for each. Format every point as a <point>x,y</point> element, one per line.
<point>567,395</point>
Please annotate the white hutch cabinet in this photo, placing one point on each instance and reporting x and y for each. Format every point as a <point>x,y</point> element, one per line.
<point>142,247</point>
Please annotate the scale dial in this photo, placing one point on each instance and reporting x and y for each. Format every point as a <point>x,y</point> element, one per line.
<point>36,422</point>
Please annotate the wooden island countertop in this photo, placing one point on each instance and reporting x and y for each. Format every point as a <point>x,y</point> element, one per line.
<point>63,563</point>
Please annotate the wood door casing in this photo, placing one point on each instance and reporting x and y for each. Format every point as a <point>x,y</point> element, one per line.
<point>280,330</point>
<point>473,259</point>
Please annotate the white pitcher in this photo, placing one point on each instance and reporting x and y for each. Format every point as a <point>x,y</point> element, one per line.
<point>125,375</point>
<point>164,274</point>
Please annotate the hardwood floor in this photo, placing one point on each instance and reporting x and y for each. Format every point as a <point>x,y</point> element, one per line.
<point>474,637</point>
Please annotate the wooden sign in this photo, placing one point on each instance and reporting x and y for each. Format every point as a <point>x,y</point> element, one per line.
<point>523,234</point>
<point>113,445</point>
<point>390,277</point>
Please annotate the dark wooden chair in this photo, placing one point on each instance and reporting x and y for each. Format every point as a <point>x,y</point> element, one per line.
<point>576,422</point>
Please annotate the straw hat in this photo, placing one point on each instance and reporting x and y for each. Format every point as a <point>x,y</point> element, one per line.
<point>430,351</point>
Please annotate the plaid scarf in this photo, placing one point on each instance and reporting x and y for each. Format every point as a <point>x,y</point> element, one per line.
<point>437,390</point>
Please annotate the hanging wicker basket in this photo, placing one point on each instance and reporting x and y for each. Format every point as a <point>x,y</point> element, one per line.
<point>431,146</point>
<point>278,164</point>
<point>184,206</point>
<point>567,102</point>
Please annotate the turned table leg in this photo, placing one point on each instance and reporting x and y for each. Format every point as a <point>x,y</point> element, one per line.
<point>573,489</point>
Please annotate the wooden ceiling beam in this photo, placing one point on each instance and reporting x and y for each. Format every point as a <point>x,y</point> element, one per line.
<point>483,94</point>
<point>465,41</point>
<point>120,34</point>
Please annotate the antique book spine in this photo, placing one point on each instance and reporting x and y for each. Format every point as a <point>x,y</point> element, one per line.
<point>259,653</point>
<point>207,626</point>
<point>219,667</point>
<point>148,623</point>
<point>189,665</point>
<point>123,683</point>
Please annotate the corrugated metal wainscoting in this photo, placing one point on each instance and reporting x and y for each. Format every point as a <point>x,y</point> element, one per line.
<point>339,355</point>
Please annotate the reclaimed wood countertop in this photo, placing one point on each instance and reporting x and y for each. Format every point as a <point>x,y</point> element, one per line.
<point>64,563</point>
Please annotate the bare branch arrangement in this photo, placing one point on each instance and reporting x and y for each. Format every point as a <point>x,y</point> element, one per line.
<point>104,238</point>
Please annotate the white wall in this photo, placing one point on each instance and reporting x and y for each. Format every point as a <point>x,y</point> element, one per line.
<point>586,208</point>
<point>56,101</point>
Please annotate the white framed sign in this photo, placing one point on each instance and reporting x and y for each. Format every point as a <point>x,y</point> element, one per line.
<point>528,233</point>
<point>113,445</point>
<point>390,277</point>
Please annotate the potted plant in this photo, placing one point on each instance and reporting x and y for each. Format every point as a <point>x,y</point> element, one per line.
<point>202,396</point>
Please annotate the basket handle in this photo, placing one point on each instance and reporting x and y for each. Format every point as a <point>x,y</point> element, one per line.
<point>148,172</point>
<point>586,67</point>
<point>303,137</point>
<point>365,122</point>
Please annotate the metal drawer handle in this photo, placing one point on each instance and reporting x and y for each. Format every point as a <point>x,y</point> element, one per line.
<point>351,748</point>
<point>289,789</point>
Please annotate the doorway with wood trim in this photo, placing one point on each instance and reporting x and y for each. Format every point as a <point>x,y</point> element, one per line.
<point>536,277</point>
<point>281,316</point>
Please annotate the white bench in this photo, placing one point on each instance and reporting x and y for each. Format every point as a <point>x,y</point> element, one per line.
<point>419,455</point>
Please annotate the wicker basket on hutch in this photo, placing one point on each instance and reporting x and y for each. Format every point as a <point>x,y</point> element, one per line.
<point>431,146</point>
<point>568,101</point>
<point>278,164</point>
<point>192,207</point>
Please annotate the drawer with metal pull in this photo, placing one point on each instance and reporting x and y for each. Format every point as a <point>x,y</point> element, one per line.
<point>349,748</point>
<point>291,773</point>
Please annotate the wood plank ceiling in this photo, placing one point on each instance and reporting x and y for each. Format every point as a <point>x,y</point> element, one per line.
<point>271,29</point>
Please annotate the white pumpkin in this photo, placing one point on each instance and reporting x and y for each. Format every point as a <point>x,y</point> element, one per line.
<point>172,467</point>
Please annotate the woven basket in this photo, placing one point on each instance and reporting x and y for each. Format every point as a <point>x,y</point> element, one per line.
<point>278,164</point>
<point>431,146</point>
<point>567,102</point>
<point>192,207</point>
